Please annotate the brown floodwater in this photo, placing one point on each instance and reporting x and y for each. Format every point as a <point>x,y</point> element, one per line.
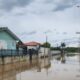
<point>56,68</point>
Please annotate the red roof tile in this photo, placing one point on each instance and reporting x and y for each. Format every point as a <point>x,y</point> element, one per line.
<point>32,43</point>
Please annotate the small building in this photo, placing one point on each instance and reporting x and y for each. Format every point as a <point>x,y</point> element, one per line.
<point>32,45</point>
<point>8,39</point>
<point>37,46</point>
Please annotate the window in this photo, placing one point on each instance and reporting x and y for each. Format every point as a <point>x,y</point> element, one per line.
<point>3,44</point>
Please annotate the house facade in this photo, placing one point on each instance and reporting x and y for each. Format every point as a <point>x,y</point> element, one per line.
<point>8,39</point>
<point>32,45</point>
<point>35,45</point>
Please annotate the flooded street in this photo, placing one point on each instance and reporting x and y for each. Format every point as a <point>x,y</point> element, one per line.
<point>55,68</point>
<point>39,39</point>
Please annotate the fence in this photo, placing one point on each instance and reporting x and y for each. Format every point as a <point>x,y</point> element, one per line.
<point>9,56</point>
<point>9,53</point>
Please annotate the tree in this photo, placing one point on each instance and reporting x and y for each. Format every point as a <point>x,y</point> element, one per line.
<point>63,49</point>
<point>63,45</point>
<point>46,44</point>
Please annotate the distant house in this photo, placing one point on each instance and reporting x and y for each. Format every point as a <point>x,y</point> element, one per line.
<point>8,40</point>
<point>37,46</point>
<point>32,45</point>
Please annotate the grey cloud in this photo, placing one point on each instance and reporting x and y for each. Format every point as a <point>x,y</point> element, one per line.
<point>31,33</point>
<point>19,14</point>
<point>64,4</point>
<point>47,6</point>
<point>28,33</point>
<point>38,8</point>
<point>48,31</point>
<point>9,4</point>
<point>61,5</point>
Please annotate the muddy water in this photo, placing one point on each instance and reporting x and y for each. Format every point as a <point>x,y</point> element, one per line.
<point>56,68</point>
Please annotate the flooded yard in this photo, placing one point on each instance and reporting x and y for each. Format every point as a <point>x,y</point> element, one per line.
<point>56,68</point>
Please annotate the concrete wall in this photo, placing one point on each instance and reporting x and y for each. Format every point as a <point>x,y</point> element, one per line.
<point>31,47</point>
<point>44,51</point>
<point>55,52</point>
<point>8,60</point>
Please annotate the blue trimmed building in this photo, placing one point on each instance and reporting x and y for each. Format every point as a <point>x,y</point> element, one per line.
<point>8,39</point>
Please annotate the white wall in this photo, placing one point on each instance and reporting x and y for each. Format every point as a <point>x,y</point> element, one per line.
<point>31,47</point>
<point>55,52</point>
<point>44,51</point>
<point>3,44</point>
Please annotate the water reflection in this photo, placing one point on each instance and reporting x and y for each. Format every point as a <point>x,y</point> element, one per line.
<point>7,74</point>
<point>9,71</point>
<point>79,61</point>
<point>61,58</point>
<point>58,68</point>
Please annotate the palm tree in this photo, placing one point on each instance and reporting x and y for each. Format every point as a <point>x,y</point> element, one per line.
<point>63,52</point>
<point>63,45</point>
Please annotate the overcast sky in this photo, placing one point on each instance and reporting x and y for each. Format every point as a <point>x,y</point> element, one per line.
<point>32,19</point>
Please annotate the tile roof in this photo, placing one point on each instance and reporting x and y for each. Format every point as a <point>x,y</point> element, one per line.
<point>32,43</point>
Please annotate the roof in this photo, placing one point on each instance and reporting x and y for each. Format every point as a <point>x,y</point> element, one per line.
<point>32,43</point>
<point>9,32</point>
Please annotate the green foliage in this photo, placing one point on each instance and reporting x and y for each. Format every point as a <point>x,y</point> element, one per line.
<point>63,44</point>
<point>68,49</point>
<point>46,44</point>
<point>71,49</point>
<point>55,48</point>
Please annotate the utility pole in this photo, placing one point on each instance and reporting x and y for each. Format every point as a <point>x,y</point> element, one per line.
<point>78,42</point>
<point>79,47</point>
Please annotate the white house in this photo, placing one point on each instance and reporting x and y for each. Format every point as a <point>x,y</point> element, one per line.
<point>35,45</point>
<point>32,45</point>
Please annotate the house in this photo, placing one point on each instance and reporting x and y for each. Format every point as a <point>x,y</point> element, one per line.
<point>32,45</point>
<point>8,40</point>
<point>37,46</point>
